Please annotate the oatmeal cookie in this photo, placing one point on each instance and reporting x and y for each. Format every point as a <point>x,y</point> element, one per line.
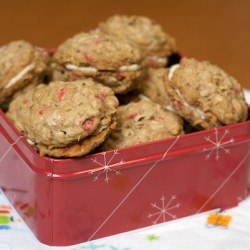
<point>140,122</point>
<point>108,59</point>
<point>204,94</point>
<point>152,86</point>
<point>21,64</point>
<point>145,33</point>
<point>65,119</point>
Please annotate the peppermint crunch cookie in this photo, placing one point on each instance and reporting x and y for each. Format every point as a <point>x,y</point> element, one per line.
<point>65,119</point>
<point>21,64</point>
<point>143,32</point>
<point>140,122</point>
<point>152,86</point>
<point>205,95</point>
<point>109,60</point>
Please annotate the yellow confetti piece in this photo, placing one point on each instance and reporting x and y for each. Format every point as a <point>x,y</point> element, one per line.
<point>216,219</point>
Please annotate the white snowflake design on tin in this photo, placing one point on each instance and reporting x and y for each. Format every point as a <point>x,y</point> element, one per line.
<point>218,144</point>
<point>106,166</point>
<point>163,209</point>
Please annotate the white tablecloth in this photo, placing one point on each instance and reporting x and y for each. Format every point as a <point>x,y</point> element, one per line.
<point>189,233</point>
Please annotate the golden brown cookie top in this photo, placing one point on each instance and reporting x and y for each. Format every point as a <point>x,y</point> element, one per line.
<point>20,63</point>
<point>63,113</point>
<point>152,86</point>
<point>140,122</point>
<point>142,31</point>
<point>97,50</point>
<point>18,56</point>
<point>204,94</point>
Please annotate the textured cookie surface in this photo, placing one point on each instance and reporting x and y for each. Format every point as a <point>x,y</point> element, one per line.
<point>98,50</point>
<point>205,95</point>
<point>140,122</point>
<point>152,86</point>
<point>142,31</point>
<point>20,64</point>
<point>64,114</point>
<point>110,60</point>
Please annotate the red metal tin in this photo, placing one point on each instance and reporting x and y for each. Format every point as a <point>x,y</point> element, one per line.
<point>126,189</point>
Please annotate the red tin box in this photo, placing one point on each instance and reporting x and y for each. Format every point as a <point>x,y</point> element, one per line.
<point>121,190</point>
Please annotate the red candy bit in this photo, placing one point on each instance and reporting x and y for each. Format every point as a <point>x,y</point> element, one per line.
<point>237,89</point>
<point>120,76</point>
<point>40,112</point>
<point>51,51</point>
<point>151,63</point>
<point>97,41</point>
<point>177,104</point>
<point>75,75</point>
<point>100,96</point>
<point>195,103</point>
<point>132,116</point>
<point>60,94</point>
<point>87,57</point>
<point>87,125</point>
<point>25,101</point>
<point>65,149</point>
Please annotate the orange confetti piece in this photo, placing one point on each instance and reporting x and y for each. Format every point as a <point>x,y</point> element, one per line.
<point>219,220</point>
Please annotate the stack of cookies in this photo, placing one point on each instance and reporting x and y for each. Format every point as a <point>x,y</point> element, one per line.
<point>113,87</point>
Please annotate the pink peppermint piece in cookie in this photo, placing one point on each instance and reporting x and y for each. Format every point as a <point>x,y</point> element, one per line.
<point>61,94</point>
<point>88,125</point>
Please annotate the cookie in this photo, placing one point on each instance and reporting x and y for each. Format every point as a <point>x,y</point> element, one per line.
<point>65,119</point>
<point>109,60</point>
<point>152,86</point>
<point>145,33</point>
<point>205,95</point>
<point>21,64</point>
<point>140,122</point>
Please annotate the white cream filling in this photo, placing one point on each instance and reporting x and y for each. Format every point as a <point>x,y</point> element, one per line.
<point>132,67</point>
<point>143,97</point>
<point>172,70</point>
<point>158,60</point>
<point>169,108</point>
<point>84,69</point>
<point>197,111</point>
<point>89,69</point>
<point>30,142</point>
<point>19,75</point>
<point>102,128</point>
